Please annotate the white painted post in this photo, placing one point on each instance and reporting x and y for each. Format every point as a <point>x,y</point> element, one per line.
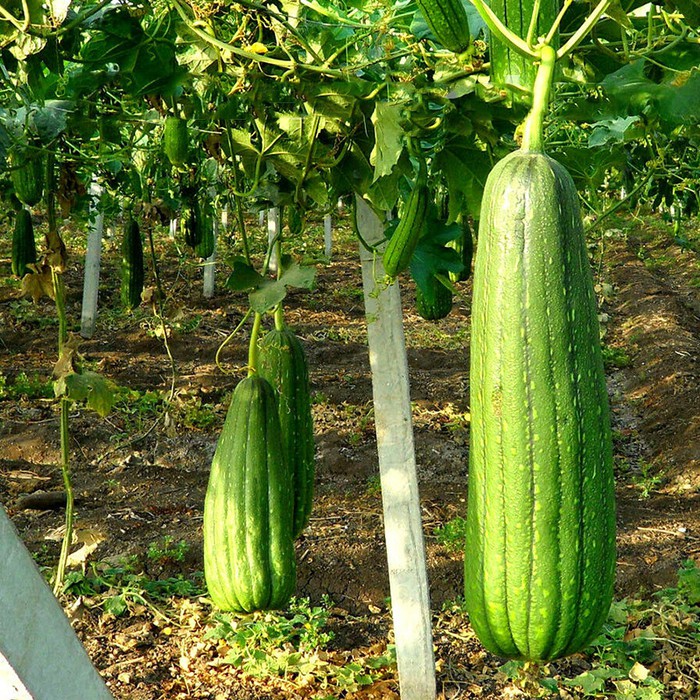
<point>224,217</point>
<point>173,229</point>
<point>328,235</point>
<point>210,265</point>
<point>261,218</point>
<point>91,273</point>
<point>274,229</point>
<point>35,635</point>
<point>408,579</point>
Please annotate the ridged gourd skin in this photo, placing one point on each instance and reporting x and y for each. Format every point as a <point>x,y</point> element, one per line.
<point>448,22</point>
<point>283,363</point>
<point>132,265</point>
<point>193,226</point>
<point>205,223</point>
<point>509,69</point>
<point>295,220</point>
<point>401,246</point>
<point>540,533</point>
<point>175,139</point>
<point>23,244</point>
<point>249,559</point>
<point>27,176</point>
<point>435,302</point>
<point>464,245</point>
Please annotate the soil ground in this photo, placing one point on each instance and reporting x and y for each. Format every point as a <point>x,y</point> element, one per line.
<point>140,473</point>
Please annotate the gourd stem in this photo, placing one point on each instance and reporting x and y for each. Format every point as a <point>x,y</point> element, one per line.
<point>586,27</point>
<point>533,135</point>
<point>532,29</point>
<point>557,21</point>
<point>253,346</point>
<point>500,30</point>
<point>279,317</point>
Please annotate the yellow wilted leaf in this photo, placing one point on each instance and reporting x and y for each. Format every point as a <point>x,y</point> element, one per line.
<point>638,672</point>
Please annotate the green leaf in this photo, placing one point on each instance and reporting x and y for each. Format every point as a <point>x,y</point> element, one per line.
<point>465,170</point>
<point>295,275</point>
<point>267,296</point>
<point>90,387</point>
<point>689,582</point>
<point>673,97</point>
<point>589,681</point>
<point>116,605</point>
<point>388,142</point>
<point>432,256</point>
<point>243,277</point>
<point>269,293</point>
<point>549,684</point>
<point>617,130</point>
<point>50,120</point>
<point>511,669</point>
<point>690,10</point>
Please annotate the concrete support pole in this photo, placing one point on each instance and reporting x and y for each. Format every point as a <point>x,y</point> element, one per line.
<point>408,579</point>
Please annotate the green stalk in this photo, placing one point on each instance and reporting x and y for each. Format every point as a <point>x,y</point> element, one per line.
<point>159,311</point>
<point>533,135</point>
<point>70,499</point>
<point>557,21</point>
<point>228,339</point>
<point>60,299</point>
<point>279,317</point>
<point>502,32</point>
<point>253,345</point>
<point>586,27</point>
<point>530,39</point>
<point>257,58</point>
<point>57,262</point>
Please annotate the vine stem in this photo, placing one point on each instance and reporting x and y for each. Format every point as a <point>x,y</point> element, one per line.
<point>279,317</point>
<point>57,262</point>
<point>158,308</point>
<point>586,27</point>
<point>242,53</point>
<point>501,31</point>
<point>60,299</point>
<point>70,498</point>
<point>530,39</point>
<point>533,135</point>
<point>228,339</point>
<point>253,346</point>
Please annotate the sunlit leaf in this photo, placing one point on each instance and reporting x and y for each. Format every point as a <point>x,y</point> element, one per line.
<point>389,137</point>
<point>243,277</point>
<point>93,388</point>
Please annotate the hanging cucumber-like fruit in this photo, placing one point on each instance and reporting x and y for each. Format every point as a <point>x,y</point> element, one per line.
<point>192,225</point>
<point>205,224</point>
<point>295,220</point>
<point>540,533</point>
<point>27,175</point>
<point>23,243</point>
<point>448,22</point>
<point>132,265</point>
<point>249,558</point>
<point>464,245</point>
<point>283,364</point>
<point>434,301</point>
<point>175,139</point>
<point>399,251</point>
